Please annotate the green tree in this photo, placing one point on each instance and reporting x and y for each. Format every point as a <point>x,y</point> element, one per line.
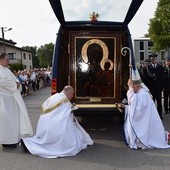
<point>45,54</point>
<point>16,67</point>
<point>146,36</point>
<point>159,27</point>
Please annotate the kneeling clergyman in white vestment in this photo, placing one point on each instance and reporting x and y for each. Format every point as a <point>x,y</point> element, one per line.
<point>58,133</point>
<point>14,119</point>
<point>143,127</point>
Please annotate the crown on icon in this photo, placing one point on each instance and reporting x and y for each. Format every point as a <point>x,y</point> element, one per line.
<point>94,16</point>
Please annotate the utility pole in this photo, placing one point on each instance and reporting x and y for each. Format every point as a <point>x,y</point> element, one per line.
<point>4,29</point>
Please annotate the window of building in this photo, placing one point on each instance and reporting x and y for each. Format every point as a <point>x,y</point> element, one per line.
<point>150,45</point>
<point>141,56</point>
<point>29,56</point>
<point>24,56</point>
<point>12,56</point>
<point>141,45</point>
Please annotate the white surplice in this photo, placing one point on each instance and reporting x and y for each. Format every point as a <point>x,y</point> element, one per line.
<point>14,119</point>
<point>58,133</point>
<point>143,127</point>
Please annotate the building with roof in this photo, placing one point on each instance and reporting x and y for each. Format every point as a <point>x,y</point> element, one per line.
<point>16,54</point>
<point>142,49</point>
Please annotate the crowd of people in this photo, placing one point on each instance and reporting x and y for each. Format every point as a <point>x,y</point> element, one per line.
<point>156,76</point>
<point>33,79</point>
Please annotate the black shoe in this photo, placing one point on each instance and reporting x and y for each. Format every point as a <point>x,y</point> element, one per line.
<point>9,145</point>
<point>23,147</point>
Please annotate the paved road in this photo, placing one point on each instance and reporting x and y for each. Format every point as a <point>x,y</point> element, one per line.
<point>108,153</point>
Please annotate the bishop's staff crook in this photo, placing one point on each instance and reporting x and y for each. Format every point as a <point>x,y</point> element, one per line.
<point>124,51</point>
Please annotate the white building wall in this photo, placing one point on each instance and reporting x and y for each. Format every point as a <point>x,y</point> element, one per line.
<point>141,50</point>
<point>27,60</point>
<point>146,50</point>
<point>18,54</point>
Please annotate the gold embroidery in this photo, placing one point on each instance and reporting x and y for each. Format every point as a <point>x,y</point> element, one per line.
<point>59,103</point>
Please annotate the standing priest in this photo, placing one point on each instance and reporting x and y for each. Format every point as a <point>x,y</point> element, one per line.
<point>14,120</point>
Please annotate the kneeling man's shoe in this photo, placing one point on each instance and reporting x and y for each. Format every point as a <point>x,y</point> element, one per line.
<point>23,147</point>
<point>9,145</point>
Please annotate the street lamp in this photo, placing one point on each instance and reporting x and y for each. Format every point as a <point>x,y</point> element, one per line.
<point>4,29</point>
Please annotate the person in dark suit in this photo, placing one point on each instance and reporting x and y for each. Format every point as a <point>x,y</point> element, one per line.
<point>166,85</point>
<point>156,81</point>
<point>144,72</point>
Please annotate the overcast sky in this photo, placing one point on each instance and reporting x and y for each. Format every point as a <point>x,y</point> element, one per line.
<point>33,22</point>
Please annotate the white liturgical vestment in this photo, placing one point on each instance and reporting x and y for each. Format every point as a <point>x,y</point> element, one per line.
<point>143,127</point>
<point>58,133</point>
<point>14,119</point>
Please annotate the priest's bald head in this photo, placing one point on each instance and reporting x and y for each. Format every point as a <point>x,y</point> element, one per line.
<point>69,92</point>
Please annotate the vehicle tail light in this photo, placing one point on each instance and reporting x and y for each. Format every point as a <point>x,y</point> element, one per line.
<point>53,86</point>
